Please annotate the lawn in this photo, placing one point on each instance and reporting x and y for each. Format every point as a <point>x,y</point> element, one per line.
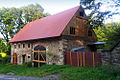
<point>66,72</point>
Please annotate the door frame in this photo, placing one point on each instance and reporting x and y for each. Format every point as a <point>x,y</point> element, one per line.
<point>14,59</point>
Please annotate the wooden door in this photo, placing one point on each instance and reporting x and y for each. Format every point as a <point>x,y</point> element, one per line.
<point>39,56</point>
<point>14,59</point>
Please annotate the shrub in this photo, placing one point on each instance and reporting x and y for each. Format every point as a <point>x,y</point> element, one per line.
<point>5,60</point>
<point>27,64</point>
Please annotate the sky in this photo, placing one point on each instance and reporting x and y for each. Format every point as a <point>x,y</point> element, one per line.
<point>54,6</point>
<point>51,6</point>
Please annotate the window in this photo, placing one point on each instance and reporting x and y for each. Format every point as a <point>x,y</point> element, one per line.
<point>28,45</point>
<point>72,30</point>
<point>18,45</point>
<point>81,13</point>
<point>89,33</point>
<point>23,45</point>
<point>15,46</point>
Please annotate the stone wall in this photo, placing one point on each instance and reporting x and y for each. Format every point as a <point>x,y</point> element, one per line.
<point>112,57</point>
<point>53,46</point>
<point>21,51</point>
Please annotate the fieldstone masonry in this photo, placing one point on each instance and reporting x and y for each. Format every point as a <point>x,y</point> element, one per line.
<point>112,56</point>
<point>57,47</point>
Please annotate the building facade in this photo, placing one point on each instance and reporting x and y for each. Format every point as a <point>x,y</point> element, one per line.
<point>29,44</point>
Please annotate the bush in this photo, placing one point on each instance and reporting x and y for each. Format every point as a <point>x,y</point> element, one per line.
<point>27,64</point>
<point>5,60</point>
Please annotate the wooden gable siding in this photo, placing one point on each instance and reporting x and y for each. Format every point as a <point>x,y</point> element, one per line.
<point>81,27</point>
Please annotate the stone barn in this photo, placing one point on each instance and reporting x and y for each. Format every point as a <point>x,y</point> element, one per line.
<point>43,41</point>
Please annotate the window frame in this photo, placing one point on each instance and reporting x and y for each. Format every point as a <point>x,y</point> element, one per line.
<point>15,46</point>
<point>29,45</point>
<point>72,30</point>
<point>23,45</point>
<point>19,46</point>
<point>82,13</point>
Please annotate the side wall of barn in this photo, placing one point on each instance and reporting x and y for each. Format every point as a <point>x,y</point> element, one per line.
<point>54,46</point>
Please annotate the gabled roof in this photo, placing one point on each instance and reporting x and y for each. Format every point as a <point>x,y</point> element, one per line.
<point>50,26</point>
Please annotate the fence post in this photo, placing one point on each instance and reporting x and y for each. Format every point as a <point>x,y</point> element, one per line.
<point>93,59</point>
<point>77,59</point>
<point>83,58</point>
<point>70,58</point>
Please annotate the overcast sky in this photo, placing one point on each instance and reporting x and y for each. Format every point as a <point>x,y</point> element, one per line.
<point>54,6</point>
<point>51,6</point>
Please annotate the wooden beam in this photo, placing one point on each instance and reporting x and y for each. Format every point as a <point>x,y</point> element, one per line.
<point>39,61</point>
<point>39,51</point>
<point>69,37</point>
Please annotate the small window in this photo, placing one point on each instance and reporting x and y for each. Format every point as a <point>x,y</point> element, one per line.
<point>23,45</point>
<point>89,33</point>
<point>18,45</point>
<point>28,45</point>
<point>81,13</point>
<point>72,30</point>
<point>15,46</point>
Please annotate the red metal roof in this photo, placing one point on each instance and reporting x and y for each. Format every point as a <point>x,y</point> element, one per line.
<point>50,26</point>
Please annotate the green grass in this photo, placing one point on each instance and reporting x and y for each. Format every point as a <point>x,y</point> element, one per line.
<point>66,72</point>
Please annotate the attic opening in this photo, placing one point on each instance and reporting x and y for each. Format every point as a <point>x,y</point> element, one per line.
<point>72,30</point>
<point>81,13</point>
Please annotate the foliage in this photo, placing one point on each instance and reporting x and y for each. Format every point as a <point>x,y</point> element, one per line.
<point>110,33</point>
<point>13,20</point>
<point>27,64</point>
<point>97,16</point>
<point>52,55</point>
<point>5,60</point>
<point>66,72</point>
<point>4,47</point>
<point>3,54</point>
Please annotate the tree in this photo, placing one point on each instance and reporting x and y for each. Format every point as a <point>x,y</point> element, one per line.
<point>13,19</point>
<point>96,16</point>
<point>110,33</point>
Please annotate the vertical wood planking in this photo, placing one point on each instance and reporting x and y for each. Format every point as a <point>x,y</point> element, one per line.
<point>70,58</point>
<point>83,58</point>
<point>78,58</point>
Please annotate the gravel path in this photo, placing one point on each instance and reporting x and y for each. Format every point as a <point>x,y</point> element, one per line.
<point>10,77</point>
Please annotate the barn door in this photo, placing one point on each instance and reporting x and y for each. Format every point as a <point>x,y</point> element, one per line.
<point>39,56</point>
<point>14,59</point>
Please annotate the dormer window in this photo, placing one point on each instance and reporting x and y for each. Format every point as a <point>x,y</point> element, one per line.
<point>72,30</point>
<point>90,33</point>
<point>81,13</point>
